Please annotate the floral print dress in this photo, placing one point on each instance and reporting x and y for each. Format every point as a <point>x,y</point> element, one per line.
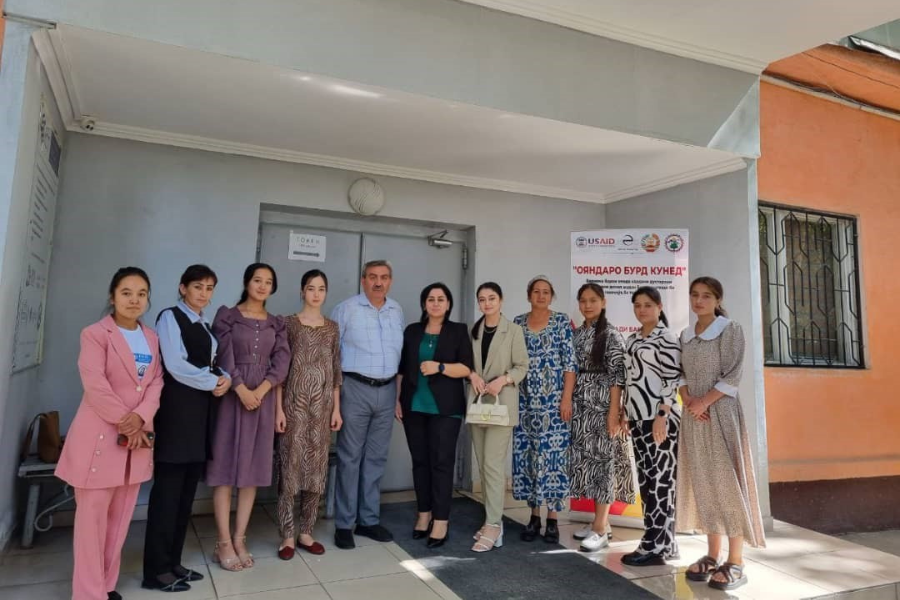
<point>541,439</point>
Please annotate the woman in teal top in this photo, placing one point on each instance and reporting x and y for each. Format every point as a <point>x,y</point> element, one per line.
<point>436,358</point>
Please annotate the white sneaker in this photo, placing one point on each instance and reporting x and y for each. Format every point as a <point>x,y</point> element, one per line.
<point>582,533</point>
<point>595,541</point>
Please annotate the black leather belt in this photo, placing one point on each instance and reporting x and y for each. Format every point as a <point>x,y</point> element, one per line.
<point>368,380</point>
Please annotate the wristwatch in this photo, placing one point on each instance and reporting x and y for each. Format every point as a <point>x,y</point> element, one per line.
<point>662,413</point>
<point>440,367</point>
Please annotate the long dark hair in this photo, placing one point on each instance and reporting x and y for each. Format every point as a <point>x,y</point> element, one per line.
<point>424,296</point>
<point>307,277</point>
<point>117,279</point>
<point>654,295</point>
<point>487,285</point>
<point>598,350</point>
<point>715,286</point>
<point>249,272</point>
<point>197,273</point>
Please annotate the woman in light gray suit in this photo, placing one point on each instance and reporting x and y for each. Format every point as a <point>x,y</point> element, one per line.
<point>501,362</point>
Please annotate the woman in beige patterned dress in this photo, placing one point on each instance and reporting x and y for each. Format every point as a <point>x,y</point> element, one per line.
<point>308,411</point>
<point>716,491</point>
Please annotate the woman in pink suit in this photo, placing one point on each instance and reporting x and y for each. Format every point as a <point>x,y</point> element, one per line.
<point>122,379</point>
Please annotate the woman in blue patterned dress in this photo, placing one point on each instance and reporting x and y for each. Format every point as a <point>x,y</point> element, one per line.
<point>541,439</point>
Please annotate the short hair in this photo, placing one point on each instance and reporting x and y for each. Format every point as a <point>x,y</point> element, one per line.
<point>377,263</point>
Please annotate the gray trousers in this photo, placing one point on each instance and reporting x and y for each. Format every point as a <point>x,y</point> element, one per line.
<point>362,451</point>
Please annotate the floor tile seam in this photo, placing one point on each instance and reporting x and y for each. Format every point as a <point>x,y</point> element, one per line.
<point>403,572</point>
<point>278,589</point>
<point>9,585</point>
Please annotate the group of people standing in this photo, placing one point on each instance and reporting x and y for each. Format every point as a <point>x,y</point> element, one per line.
<point>197,399</point>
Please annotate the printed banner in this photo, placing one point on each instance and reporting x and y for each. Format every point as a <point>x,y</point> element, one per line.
<point>622,260</point>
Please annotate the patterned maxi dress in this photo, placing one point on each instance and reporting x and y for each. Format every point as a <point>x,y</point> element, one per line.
<point>308,401</point>
<point>716,482</point>
<point>601,467</point>
<point>541,439</point>
<point>251,351</point>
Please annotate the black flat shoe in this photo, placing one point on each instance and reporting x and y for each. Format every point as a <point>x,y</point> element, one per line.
<point>551,532</point>
<point>113,595</point>
<point>343,539</point>
<point>187,574</point>
<point>375,532</point>
<point>418,534</point>
<point>637,559</point>
<point>532,530</point>
<point>166,583</point>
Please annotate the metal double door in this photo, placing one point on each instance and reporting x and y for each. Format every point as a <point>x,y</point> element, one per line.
<point>415,264</point>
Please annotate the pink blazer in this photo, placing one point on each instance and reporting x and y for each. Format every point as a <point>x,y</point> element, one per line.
<point>91,458</point>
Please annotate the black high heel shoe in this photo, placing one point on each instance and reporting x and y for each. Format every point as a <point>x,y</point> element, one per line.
<point>418,534</point>
<point>532,530</point>
<point>435,542</point>
<point>551,532</point>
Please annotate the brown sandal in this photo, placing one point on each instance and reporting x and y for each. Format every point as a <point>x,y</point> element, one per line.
<point>734,577</point>
<point>706,566</point>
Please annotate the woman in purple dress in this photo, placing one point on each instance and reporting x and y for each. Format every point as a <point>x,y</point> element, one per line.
<point>253,349</point>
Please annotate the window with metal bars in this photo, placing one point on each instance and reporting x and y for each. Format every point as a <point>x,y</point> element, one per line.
<point>810,288</point>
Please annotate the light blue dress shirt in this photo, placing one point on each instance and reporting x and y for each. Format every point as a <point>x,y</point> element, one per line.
<point>174,354</point>
<point>371,338</point>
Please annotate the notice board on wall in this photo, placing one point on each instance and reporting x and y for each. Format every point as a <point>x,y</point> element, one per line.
<point>28,341</point>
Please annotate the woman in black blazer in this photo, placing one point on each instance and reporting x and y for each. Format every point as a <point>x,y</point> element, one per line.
<point>436,358</point>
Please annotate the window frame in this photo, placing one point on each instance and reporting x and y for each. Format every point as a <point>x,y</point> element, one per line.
<point>774,251</point>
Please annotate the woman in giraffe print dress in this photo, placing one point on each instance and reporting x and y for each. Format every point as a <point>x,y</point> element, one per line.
<point>308,410</point>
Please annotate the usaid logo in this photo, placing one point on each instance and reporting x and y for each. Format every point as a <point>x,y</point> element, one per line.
<point>589,242</point>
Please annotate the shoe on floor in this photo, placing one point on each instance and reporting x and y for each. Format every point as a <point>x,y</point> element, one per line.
<point>343,539</point>
<point>583,533</point>
<point>113,595</point>
<point>551,532</point>
<point>187,574</point>
<point>639,559</point>
<point>166,583</point>
<point>532,530</point>
<point>314,548</point>
<point>595,541</point>
<point>376,532</point>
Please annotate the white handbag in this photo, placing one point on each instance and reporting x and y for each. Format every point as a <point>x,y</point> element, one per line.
<point>483,414</point>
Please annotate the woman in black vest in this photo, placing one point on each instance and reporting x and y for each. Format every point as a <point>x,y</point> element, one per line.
<point>436,358</point>
<point>183,427</point>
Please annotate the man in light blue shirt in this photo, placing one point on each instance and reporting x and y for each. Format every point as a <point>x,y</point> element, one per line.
<point>371,326</point>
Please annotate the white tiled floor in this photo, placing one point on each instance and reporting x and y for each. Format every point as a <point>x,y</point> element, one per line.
<point>797,564</point>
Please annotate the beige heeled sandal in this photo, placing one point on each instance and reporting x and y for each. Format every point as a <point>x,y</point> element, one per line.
<point>486,543</point>
<point>232,564</point>
<point>246,559</point>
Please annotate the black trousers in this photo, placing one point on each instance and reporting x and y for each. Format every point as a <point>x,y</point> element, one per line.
<point>657,470</point>
<point>432,445</point>
<point>168,515</point>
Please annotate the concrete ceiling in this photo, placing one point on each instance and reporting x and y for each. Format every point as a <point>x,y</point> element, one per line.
<point>734,33</point>
<point>166,94</point>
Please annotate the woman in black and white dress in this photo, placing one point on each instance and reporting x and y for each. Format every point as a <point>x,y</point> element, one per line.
<point>653,365</point>
<point>600,463</point>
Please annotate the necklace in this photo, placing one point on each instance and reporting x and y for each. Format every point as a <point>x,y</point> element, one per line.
<point>490,329</point>
<point>431,338</point>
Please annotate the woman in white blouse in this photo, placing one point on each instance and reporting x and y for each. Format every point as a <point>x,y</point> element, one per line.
<point>653,369</point>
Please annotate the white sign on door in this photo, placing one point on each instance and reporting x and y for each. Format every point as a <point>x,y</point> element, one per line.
<point>304,246</point>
